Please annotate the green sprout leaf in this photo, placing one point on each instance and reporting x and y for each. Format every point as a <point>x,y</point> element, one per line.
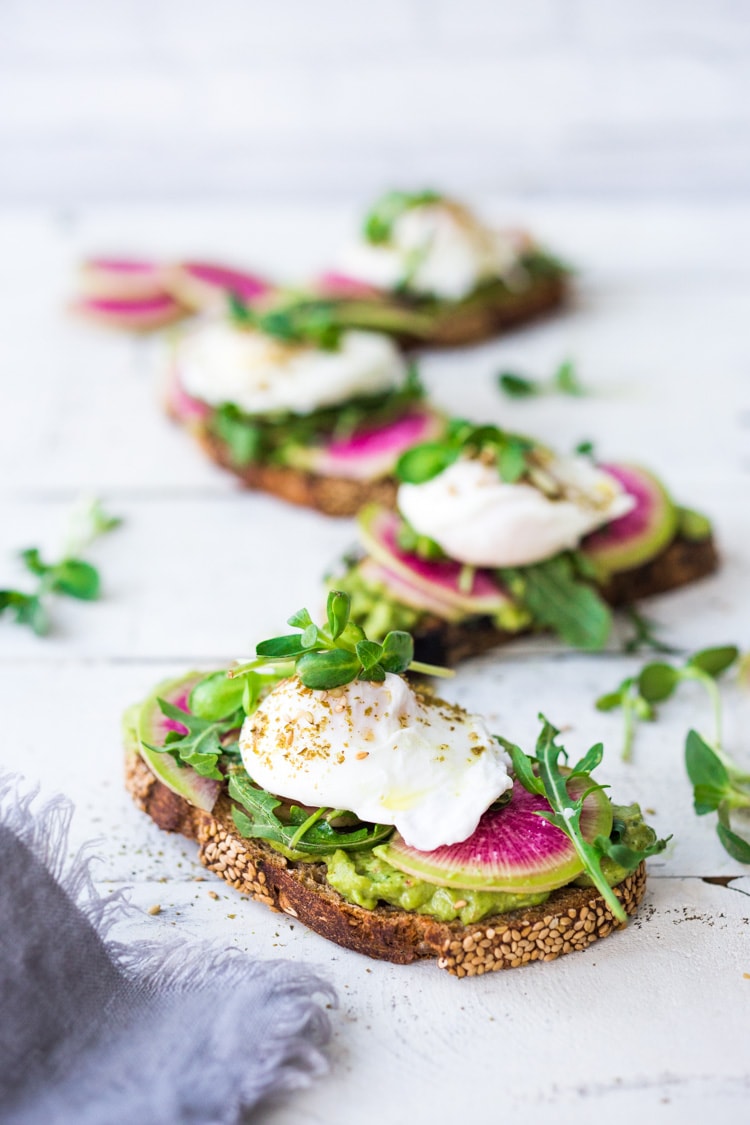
<point>71,576</point>
<point>323,670</point>
<point>714,661</point>
<point>566,379</point>
<point>379,222</point>
<point>518,386</point>
<point>217,697</point>
<point>337,612</point>
<point>657,682</point>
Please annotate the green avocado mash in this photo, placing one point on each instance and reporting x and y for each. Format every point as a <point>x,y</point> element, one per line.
<point>377,611</point>
<point>630,829</point>
<point>365,879</point>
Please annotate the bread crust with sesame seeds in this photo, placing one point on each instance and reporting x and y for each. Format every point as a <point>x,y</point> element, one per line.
<point>571,919</point>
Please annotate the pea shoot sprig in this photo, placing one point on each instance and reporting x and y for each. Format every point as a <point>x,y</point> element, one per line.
<point>564,381</point>
<point>71,576</point>
<point>544,775</point>
<point>658,681</point>
<point>329,656</point>
<point>509,451</point>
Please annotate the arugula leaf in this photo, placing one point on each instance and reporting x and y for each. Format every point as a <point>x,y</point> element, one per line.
<point>200,746</point>
<point>564,381</point>
<point>518,386</point>
<point>557,599</point>
<point>319,836</point>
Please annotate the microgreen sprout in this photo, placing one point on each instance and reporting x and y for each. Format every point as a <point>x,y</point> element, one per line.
<point>509,451</point>
<point>564,381</point>
<point>721,786</point>
<point>644,634</point>
<point>336,653</point>
<point>542,774</point>
<point>71,576</point>
<point>379,222</point>
<point>656,682</point>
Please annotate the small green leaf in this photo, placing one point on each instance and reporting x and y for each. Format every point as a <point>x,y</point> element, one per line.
<point>398,651</point>
<point>33,562</point>
<point>610,701</point>
<point>77,579</point>
<point>423,462</point>
<point>657,682</point>
<point>737,847</point>
<point>310,637</point>
<point>523,767</point>
<point>711,782</point>
<point>369,654</point>
<point>517,386</point>
<point>586,449</point>
<point>323,670</point>
<point>511,461</point>
<point>300,620</point>
<point>591,759</point>
<point>566,379</point>
<point>337,610</point>
<point>714,661</point>
<point>281,648</point>
<point>216,696</point>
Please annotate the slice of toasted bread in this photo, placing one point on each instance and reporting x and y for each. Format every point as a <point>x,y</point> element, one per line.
<point>333,496</point>
<point>490,313</point>
<point>443,642</point>
<point>571,918</point>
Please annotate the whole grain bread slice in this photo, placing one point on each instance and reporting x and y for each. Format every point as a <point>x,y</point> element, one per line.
<point>490,313</point>
<point>571,919</point>
<point>684,561</point>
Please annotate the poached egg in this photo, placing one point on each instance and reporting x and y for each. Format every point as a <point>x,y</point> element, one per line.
<point>384,751</point>
<point>479,519</point>
<point>218,362</point>
<point>437,248</point>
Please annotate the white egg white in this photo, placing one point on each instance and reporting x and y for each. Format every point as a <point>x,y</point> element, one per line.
<point>219,362</point>
<point>479,519</point>
<point>387,753</point>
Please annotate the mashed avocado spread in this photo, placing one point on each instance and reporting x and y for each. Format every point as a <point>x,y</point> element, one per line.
<point>365,879</point>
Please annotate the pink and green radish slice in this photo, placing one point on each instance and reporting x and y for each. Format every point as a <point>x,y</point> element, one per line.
<point>180,404</point>
<point>644,532</point>
<point>152,728</point>
<point>405,592</point>
<point>137,314</point>
<point>121,278</point>
<point>438,578</point>
<point>205,285</point>
<point>512,849</point>
<point>372,453</point>
<point>334,284</point>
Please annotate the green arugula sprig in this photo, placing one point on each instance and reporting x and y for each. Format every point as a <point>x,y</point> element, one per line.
<point>71,576</point>
<point>721,786</point>
<point>644,634</point>
<point>509,451</point>
<point>298,321</point>
<point>307,833</point>
<point>658,681</point>
<point>379,221</point>
<point>559,597</point>
<point>338,653</point>
<point>564,381</point>
<point>200,746</point>
<point>542,774</point>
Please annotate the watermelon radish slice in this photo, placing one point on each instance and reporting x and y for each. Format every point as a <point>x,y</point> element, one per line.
<point>644,532</point>
<point>179,403</point>
<point>204,285</point>
<point>334,284</point>
<point>512,849</point>
<point>440,578</point>
<point>140,314</point>
<point>370,454</point>
<point>153,726</point>
<point>405,592</point>
<point>123,278</point>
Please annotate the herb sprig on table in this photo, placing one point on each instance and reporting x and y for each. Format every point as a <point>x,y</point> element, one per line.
<point>542,774</point>
<point>564,381</point>
<point>719,784</point>
<point>71,576</point>
<point>658,681</point>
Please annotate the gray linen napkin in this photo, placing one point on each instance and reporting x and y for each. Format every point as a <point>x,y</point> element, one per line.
<point>93,1032</point>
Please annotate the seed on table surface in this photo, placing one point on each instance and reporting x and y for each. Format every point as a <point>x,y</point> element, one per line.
<point>155,909</point>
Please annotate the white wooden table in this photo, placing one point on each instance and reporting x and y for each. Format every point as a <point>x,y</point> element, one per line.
<point>653,1022</point>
